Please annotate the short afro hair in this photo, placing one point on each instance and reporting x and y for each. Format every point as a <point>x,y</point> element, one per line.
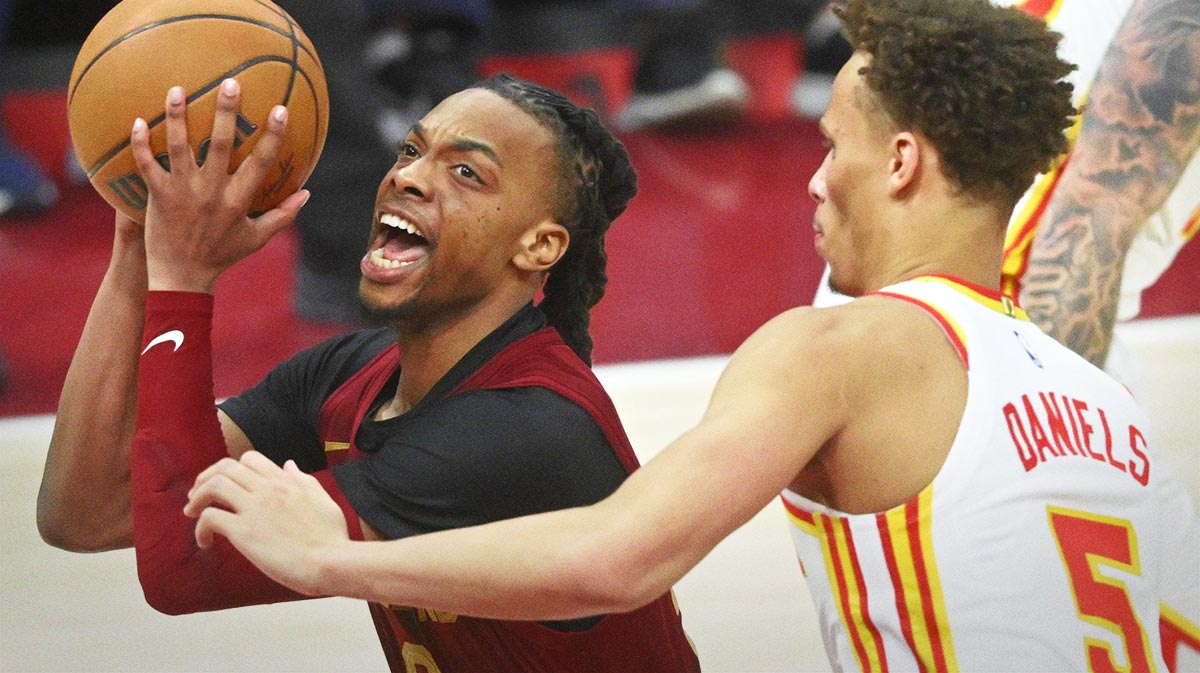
<point>984,83</point>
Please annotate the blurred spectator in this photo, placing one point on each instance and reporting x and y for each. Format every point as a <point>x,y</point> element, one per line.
<point>681,79</point>
<point>825,51</point>
<point>24,187</point>
<point>424,50</point>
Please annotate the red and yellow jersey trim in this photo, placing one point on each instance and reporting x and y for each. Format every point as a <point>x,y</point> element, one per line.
<point>906,537</point>
<point>1176,631</point>
<point>907,540</point>
<point>1192,226</point>
<point>847,583</point>
<point>1046,10</point>
<point>950,326</point>
<point>986,297</point>
<point>997,301</point>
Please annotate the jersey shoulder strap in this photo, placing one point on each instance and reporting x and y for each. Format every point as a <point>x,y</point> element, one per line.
<point>544,360</point>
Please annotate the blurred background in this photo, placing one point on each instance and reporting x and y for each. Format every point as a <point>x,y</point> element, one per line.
<point>716,101</point>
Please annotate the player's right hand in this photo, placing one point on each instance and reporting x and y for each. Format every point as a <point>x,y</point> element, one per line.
<point>197,222</point>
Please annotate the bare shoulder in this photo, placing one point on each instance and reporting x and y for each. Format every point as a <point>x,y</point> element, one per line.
<point>843,349</point>
<point>866,326</point>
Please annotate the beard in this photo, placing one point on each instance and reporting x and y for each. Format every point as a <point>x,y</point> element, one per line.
<point>383,315</point>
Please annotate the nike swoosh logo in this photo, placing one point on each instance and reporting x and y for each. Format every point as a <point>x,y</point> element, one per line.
<point>174,336</point>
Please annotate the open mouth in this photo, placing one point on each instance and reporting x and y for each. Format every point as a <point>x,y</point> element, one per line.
<point>402,244</point>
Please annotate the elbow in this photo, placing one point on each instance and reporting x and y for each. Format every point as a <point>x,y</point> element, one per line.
<point>618,583</point>
<point>168,593</point>
<point>68,532</point>
<point>166,601</point>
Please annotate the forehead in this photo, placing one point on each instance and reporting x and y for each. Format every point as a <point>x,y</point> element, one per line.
<point>482,116</point>
<point>851,101</point>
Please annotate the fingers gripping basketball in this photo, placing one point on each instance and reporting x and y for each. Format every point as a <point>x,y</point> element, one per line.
<point>141,48</point>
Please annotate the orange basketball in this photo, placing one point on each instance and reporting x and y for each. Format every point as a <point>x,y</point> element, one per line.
<point>141,48</point>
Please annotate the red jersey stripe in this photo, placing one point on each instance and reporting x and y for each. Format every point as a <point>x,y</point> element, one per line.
<point>889,557</point>
<point>841,589</point>
<point>913,516</point>
<point>864,618</point>
<point>953,333</point>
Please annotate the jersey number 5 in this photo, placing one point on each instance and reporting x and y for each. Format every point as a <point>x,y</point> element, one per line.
<point>1087,541</point>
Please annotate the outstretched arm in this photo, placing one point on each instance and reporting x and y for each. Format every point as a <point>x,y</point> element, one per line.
<point>763,424</point>
<point>1139,131</point>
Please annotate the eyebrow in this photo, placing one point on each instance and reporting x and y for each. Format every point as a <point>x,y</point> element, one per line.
<point>462,144</point>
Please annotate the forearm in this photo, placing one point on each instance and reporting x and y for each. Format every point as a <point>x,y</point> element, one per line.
<point>614,556</point>
<point>556,570</point>
<point>178,435</point>
<point>83,503</point>
<point>1134,143</point>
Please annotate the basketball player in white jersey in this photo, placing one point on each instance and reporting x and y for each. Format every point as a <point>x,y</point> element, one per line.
<point>966,492</point>
<point>1098,229</point>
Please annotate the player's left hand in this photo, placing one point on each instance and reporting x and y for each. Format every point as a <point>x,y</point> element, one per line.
<point>281,519</point>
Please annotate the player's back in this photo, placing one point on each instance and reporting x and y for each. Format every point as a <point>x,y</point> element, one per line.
<point>1047,540</point>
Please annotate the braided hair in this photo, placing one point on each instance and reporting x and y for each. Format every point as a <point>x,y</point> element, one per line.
<point>595,183</point>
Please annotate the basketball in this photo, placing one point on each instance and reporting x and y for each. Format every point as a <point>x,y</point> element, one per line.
<point>141,48</point>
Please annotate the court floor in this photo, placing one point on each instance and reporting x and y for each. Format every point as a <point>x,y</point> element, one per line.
<point>745,605</point>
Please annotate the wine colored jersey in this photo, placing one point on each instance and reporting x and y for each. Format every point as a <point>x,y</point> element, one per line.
<point>520,425</point>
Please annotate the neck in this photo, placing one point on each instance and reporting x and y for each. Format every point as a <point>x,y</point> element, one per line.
<point>429,348</point>
<point>956,239</point>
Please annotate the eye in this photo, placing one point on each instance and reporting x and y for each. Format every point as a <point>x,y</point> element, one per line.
<point>409,151</point>
<point>466,172</point>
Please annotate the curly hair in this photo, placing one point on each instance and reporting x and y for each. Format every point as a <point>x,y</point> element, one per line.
<point>596,182</point>
<point>983,83</point>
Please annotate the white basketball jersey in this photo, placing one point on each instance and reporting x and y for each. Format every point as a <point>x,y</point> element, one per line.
<point>1052,539</point>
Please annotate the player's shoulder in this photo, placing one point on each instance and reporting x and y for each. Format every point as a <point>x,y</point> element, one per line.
<point>336,359</point>
<point>863,340</point>
<point>845,328</point>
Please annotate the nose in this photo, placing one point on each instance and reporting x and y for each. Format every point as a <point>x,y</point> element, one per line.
<point>410,177</point>
<point>816,184</point>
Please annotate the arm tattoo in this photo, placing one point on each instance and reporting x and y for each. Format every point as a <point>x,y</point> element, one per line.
<point>1140,128</point>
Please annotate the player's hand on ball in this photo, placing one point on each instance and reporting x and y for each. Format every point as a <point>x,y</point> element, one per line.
<point>281,519</point>
<point>197,224</point>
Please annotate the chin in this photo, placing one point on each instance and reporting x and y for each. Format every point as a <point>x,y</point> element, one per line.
<point>844,289</point>
<point>380,313</point>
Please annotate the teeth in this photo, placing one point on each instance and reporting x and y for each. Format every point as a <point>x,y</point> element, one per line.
<point>378,259</point>
<point>397,222</point>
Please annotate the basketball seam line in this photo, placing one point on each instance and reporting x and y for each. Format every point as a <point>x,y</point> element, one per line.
<point>141,29</point>
<point>200,92</point>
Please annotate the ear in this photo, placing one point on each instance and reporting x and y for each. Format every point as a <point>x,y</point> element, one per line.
<point>905,163</point>
<point>541,246</point>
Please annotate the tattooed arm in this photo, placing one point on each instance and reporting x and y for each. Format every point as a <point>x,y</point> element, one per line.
<point>1140,127</point>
